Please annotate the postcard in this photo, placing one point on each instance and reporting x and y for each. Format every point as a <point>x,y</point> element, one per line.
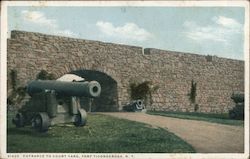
<point>124,79</point>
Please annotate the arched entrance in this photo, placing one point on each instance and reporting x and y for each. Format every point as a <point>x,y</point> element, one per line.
<point>108,100</point>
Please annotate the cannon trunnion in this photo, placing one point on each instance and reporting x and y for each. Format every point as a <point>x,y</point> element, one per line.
<point>55,102</point>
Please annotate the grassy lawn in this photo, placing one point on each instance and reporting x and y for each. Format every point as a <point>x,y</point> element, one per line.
<point>214,118</point>
<point>101,134</point>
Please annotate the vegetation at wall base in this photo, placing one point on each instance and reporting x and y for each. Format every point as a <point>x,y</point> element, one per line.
<point>193,93</point>
<point>18,92</point>
<point>44,75</point>
<point>101,134</point>
<point>143,91</point>
<point>13,78</point>
<point>213,118</point>
<point>237,112</point>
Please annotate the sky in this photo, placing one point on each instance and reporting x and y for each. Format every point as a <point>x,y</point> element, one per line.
<point>215,31</point>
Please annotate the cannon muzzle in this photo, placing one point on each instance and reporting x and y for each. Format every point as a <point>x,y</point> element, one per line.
<point>87,89</point>
<point>136,105</point>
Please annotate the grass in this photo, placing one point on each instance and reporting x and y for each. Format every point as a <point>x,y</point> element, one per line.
<point>213,118</point>
<point>101,134</point>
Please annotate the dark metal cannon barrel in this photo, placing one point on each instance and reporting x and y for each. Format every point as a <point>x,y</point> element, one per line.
<point>136,105</point>
<point>86,89</point>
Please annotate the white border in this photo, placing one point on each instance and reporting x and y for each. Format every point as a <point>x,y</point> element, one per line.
<point>234,3</point>
<point>3,80</point>
<point>246,57</point>
<point>3,71</point>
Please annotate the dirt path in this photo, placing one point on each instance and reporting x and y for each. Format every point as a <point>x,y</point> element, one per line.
<point>205,137</point>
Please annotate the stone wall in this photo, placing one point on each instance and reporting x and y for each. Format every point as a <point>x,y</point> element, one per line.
<point>216,78</point>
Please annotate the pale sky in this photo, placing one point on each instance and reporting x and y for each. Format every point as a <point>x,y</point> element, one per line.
<point>201,30</point>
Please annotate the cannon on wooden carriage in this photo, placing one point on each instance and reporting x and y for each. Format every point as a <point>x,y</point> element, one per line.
<point>134,106</point>
<point>55,102</point>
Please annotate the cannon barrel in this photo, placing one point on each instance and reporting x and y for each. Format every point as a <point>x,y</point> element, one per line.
<point>79,89</point>
<point>136,105</point>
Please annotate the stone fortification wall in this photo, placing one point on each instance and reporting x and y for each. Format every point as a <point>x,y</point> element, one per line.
<point>216,78</point>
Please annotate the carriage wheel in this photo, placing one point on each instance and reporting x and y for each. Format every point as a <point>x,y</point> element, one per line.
<point>41,122</point>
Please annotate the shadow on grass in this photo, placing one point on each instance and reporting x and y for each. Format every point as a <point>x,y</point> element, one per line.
<point>27,132</point>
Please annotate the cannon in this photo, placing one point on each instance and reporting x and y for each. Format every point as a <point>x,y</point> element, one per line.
<point>134,106</point>
<point>55,102</point>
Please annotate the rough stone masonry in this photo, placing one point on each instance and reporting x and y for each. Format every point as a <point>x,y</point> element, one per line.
<point>217,78</point>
